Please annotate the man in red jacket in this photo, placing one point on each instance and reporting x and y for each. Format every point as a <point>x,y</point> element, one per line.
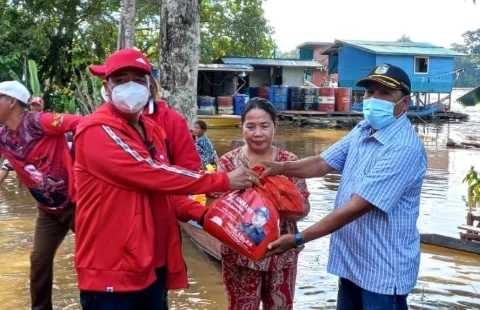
<point>128,248</point>
<point>36,148</point>
<point>180,147</point>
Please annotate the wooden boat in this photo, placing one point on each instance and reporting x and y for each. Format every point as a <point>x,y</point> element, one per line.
<point>203,240</point>
<point>470,98</point>
<point>221,121</point>
<point>451,243</point>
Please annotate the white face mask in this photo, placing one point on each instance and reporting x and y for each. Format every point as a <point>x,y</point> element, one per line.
<point>130,97</point>
<point>103,92</point>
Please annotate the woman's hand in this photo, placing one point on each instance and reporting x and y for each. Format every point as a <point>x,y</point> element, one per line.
<point>242,178</point>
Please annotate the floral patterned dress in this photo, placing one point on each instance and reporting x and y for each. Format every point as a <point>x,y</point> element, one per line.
<point>205,150</point>
<point>272,279</point>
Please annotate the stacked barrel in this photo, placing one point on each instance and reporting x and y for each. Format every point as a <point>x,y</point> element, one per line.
<point>239,103</point>
<point>206,105</point>
<point>324,99</point>
<point>343,98</point>
<point>225,105</point>
<point>303,98</point>
<point>262,92</point>
<point>278,96</point>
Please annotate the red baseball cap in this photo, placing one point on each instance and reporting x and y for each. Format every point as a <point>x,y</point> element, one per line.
<point>37,101</point>
<point>126,58</point>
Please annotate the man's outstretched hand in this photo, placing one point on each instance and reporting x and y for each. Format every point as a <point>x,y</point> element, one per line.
<point>282,244</point>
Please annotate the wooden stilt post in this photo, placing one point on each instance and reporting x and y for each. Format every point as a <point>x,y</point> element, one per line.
<point>450,102</point>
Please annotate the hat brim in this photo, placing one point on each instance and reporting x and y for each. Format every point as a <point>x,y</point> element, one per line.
<point>36,102</point>
<point>98,70</point>
<point>101,70</point>
<point>383,81</point>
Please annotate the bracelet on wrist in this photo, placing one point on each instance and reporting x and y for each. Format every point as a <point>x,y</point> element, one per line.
<point>298,239</point>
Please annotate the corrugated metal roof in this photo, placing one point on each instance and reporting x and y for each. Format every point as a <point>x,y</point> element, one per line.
<point>225,67</point>
<point>396,48</point>
<point>314,44</point>
<point>271,62</point>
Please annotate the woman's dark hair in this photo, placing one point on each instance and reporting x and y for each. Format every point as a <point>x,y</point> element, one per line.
<point>260,103</point>
<point>201,124</point>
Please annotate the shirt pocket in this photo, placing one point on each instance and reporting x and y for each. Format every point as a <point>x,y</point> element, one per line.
<point>371,156</point>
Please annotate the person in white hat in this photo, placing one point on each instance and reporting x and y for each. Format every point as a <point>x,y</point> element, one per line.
<point>36,148</point>
<point>36,105</point>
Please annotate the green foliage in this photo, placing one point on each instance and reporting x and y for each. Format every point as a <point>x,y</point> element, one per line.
<point>473,188</point>
<point>234,27</point>
<point>64,37</point>
<point>60,100</point>
<point>33,78</point>
<point>289,55</point>
<point>14,75</point>
<point>87,92</point>
<point>470,63</point>
<point>404,38</point>
<point>21,39</point>
<point>58,35</point>
<point>69,105</point>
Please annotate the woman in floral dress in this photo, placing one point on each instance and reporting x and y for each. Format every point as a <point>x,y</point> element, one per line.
<point>269,281</point>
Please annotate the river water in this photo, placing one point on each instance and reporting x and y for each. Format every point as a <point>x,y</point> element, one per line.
<point>447,279</point>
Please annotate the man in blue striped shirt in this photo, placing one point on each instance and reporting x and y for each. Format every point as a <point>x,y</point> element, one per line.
<point>375,245</point>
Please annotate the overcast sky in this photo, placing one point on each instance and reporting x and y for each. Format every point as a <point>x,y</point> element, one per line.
<point>439,22</point>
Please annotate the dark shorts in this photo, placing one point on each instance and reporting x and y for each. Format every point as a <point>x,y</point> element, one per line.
<point>153,297</point>
<point>353,297</point>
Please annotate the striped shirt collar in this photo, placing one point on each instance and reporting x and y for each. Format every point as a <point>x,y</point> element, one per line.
<point>386,135</point>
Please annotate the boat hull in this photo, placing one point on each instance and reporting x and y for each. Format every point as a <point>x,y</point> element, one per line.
<point>451,243</point>
<point>221,121</point>
<point>203,240</point>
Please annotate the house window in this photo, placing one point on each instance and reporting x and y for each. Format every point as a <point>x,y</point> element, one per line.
<point>308,76</point>
<point>421,65</point>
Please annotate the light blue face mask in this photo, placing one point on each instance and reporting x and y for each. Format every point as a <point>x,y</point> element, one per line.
<point>378,112</point>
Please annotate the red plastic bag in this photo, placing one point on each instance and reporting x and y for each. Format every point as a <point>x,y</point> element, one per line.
<point>283,194</point>
<point>245,221</point>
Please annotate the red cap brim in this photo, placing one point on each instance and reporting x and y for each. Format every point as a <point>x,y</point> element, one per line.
<point>100,70</point>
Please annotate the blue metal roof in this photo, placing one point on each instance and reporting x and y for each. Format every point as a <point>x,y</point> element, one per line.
<point>271,62</point>
<point>396,48</point>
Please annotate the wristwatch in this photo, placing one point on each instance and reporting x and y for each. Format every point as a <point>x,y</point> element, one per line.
<point>298,239</point>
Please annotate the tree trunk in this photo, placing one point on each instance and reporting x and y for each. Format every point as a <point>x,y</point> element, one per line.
<point>179,55</point>
<point>126,29</point>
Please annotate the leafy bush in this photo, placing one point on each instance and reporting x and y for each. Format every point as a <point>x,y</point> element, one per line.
<point>473,189</point>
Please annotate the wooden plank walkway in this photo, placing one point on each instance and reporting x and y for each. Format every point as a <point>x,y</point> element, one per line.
<point>321,119</point>
<point>350,119</point>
